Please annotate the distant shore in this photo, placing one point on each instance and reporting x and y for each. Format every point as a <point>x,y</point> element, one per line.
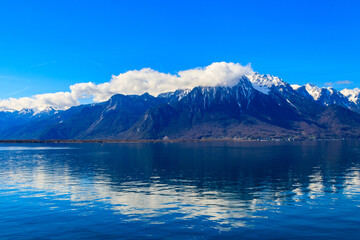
<point>123,141</point>
<point>171,141</point>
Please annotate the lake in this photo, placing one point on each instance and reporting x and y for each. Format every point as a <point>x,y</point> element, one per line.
<point>205,190</point>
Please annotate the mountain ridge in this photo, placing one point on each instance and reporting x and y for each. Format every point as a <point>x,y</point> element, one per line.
<point>258,106</point>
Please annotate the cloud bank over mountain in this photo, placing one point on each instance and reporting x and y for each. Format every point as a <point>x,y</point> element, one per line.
<point>133,82</point>
<point>137,82</point>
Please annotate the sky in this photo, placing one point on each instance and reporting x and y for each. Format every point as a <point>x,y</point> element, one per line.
<point>48,46</point>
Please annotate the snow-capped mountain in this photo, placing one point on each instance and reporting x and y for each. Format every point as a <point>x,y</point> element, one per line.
<point>258,106</point>
<point>353,95</point>
<point>269,84</point>
<point>314,91</point>
<point>265,82</point>
<point>346,98</point>
<point>175,96</point>
<point>326,96</point>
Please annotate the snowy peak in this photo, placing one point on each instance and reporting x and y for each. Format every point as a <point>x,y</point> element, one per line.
<point>313,90</point>
<point>295,86</point>
<point>212,94</point>
<point>205,98</point>
<point>48,110</point>
<point>353,95</point>
<point>330,96</point>
<point>321,94</point>
<point>26,111</point>
<point>264,82</point>
<point>177,95</point>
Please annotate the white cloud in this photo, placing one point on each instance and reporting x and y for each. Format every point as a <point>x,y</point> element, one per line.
<point>331,84</point>
<point>154,82</point>
<point>59,100</point>
<point>134,82</point>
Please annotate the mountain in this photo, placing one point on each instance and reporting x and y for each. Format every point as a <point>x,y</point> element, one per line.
<point>213,112</point>
<point>353,95</point>
<point>242,111</point>
<point>13,119</point>
<point>338,121</point>
<point>327,96</point>
<point>93,121</point>
<point>257,107</point>
<point>27,124</point>
<point>104,120</point>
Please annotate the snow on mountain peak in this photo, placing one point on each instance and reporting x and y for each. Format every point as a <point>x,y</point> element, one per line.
<point>178,94</point>
<point>295,86</point>
<point>313,90</point>
<point>264,82</point>
<point>26,111</point>
<point>352,94</point>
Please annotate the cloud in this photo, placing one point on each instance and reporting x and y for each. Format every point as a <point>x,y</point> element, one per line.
<point>345,82</point>
<point>59,100</point>
<point>134,82</point>
<point>154,82</point>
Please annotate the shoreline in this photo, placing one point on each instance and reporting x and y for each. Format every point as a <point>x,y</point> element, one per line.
<point>172,141</point>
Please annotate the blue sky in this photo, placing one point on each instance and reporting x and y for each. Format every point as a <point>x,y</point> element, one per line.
<point>46,46</point>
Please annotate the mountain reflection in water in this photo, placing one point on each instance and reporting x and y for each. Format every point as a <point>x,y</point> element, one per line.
<point>184,190</point>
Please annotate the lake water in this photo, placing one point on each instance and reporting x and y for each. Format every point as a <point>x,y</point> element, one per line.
<point>212,190</point>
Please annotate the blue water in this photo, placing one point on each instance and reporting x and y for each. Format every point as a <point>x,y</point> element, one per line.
<point>212,190</point>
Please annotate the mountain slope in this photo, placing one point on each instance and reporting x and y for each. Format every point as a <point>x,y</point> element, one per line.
<point>259,106</point>
<point>220,112</point>
<point>104,120</point>
<point>327,96</point>
<point>339,122</point>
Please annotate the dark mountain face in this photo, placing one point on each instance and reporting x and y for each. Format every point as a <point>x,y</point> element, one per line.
<point>31,125</point>
<point>241,111</point>
<point>337,121</point>
<point>105,120</point>
<point>11,119</point>
<point>210,112</point>
<point>101,121</point>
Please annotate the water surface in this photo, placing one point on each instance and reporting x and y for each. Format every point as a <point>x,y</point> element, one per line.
<point>227,190</point>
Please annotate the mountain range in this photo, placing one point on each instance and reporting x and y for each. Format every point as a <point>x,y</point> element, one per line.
<point>257,107</point>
